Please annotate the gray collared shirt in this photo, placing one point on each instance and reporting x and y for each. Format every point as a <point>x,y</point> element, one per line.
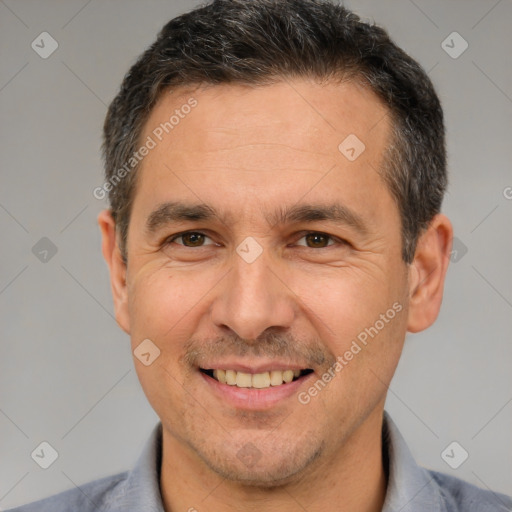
<point>410,487</point>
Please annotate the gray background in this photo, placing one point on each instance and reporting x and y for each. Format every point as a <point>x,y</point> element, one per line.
<point>66,374</point>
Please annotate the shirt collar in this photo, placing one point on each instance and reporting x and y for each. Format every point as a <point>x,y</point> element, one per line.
<point>141,490</point>
<point>410,487</point>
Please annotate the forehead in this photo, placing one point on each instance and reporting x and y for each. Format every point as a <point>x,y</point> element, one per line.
<point>297,113</point>
<point>275,142</point>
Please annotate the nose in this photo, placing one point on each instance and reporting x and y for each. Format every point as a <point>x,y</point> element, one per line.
<point>252,298</point>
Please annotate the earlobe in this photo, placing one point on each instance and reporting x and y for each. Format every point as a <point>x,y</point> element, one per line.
<point>427,273</point>
<point>117,267</point>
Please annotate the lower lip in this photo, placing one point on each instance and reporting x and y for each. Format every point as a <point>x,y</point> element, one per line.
<point>252,398</point>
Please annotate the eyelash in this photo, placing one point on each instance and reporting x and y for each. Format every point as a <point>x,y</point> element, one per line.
<point>172,238</point>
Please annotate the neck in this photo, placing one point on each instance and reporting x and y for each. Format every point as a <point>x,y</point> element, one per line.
<point>353,478</point>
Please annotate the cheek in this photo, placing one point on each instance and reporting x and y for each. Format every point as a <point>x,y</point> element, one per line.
<point>163,308</point>
<point>367,349</point>
<point>162,302</point>
<point>362,320</point>
<point>342,304</point>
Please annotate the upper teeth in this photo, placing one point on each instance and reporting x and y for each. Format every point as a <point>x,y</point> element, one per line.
<point>255,380</point>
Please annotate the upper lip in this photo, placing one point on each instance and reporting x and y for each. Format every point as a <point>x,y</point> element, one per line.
<point>255,367</point>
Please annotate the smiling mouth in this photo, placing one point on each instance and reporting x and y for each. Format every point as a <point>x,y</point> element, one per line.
<point>256,380</point>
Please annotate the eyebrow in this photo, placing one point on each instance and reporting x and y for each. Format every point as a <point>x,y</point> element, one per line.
<point>175,211</point>
<point>334,212</point>
<point>170,212</point>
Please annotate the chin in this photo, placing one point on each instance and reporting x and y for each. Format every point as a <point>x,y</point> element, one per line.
<point>268,471</point>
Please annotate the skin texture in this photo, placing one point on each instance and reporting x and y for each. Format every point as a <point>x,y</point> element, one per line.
<point>248,152</point>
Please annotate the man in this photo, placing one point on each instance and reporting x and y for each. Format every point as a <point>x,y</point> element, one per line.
<point>275,170</point>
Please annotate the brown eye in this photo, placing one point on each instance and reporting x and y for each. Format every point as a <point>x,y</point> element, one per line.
<point>193,239</point>
<point>316,240</point>
<point>190,239</point>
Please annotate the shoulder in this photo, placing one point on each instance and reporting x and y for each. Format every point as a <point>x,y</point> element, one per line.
<point>461,496</point>
<point>412,488</point>
<point>90,497</point>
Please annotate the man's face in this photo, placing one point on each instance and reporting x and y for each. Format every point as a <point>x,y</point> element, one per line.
<point>268,285</point>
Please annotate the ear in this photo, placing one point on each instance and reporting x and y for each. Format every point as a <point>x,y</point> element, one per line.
<point>427,273</point>
<point>117,267</point>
